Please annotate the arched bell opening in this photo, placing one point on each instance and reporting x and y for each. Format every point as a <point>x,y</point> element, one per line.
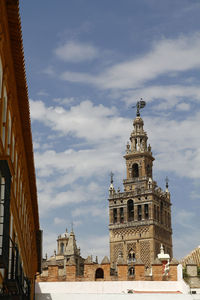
<point>131,256</point>
<point>135,170</point>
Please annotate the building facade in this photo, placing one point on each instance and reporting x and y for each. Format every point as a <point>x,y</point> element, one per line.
<point>20,235</point>
<point>140,216</point>
<point>67,254</point>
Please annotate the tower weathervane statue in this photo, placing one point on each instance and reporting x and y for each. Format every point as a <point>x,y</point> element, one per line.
<point>140,104</point>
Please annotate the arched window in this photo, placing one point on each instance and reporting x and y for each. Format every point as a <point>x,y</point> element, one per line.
<point>130,209</point>
<point>99,273</point>
<point>135,170</point>
<point>131,256</point>
<point>121,215</point>
<point>62,248</point>
<point>131,271</point>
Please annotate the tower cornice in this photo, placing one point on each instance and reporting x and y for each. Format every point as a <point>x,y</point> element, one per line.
<point>136,154</point>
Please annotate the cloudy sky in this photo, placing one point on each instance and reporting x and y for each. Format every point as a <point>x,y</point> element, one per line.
<point>87,63</point>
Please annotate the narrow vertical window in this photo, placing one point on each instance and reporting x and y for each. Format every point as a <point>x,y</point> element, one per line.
<point>130,209</point>
<point>5,181</point>
<point>114,215</point>
<point>146,211</point>
<point>4,115</point>
<point>135,170</point>
<point>139,212</point>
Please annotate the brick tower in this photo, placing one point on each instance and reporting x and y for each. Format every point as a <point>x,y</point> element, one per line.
<point>140,216</point>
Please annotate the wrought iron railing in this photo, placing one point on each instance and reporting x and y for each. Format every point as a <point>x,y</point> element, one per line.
<point>15,282</point>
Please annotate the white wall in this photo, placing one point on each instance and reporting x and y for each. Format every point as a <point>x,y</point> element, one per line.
<point>109,287</point>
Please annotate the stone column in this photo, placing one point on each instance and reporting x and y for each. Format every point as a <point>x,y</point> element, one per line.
<point>125,214</point>
<point>135,212</point>
<point>142,210</point>
<point>118,215</point>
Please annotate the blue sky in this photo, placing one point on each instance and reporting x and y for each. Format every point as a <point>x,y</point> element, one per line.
<point>87,63</point>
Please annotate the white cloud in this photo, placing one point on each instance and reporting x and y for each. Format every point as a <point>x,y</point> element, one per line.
<point>59,221</point>
<point>95,245</point>
<point>42,93</point>
<point>183,106</point>
<point>49,243</point>
<point>185,242</point>
<point>176,144</point>
<point>49,71</point>
<point>165,96</point>
<point>77,223</point>
<point>104,131</point>
<point>64,101</point>
<point>168,56</point>
<point>79,77</point>
<point>93,211</point>
<point>74,51</point>
<point>93,123</point>
<point>184,218</point>
<point>63,222</point>
<point>51,196</point>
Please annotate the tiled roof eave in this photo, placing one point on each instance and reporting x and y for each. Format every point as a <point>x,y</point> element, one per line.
<point>14,24</point>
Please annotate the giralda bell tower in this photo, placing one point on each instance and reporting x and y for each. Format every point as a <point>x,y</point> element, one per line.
<point>140,216</point>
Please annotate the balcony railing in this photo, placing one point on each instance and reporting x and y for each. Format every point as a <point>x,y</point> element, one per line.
<point>15,282</point>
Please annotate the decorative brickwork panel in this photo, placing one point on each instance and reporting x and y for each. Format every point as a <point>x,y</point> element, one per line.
<point>117,249</point>
<point>162,234</point>
<point>130,231</point>
<point>131,246</point>
<point>145,252</point>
